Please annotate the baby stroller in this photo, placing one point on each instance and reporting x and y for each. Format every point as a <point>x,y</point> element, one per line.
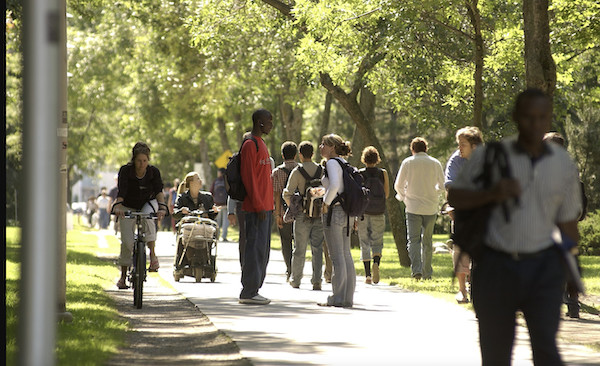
<point>196,246</point>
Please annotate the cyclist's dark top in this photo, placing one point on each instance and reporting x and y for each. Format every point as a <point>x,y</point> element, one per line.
<point>136,192</point>
<point>205,202</point>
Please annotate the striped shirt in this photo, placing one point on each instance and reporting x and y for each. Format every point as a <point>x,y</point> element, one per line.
<point>280,176</point>
<point>550,194</point>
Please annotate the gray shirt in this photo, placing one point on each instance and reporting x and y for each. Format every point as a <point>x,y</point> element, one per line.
<point>550,195</point>
<point>297,181</point>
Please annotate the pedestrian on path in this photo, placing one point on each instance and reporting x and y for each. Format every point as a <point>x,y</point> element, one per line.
<point>372,225</point>
<point>308,228</point>
<point>280,175</point>
<point>520,268</point>
<point>103,204</point>
<point>336,234</point>
<point>419,182</point>
<point>258,206</point>
<point>468,139</point>
<point>219,192</point>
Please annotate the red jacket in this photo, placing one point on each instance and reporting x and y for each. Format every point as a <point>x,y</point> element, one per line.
<point>256,176</point>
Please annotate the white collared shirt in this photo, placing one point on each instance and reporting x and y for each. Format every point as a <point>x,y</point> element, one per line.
<point>551,194</point>
<point>334,180</point>
<point>419,183</point>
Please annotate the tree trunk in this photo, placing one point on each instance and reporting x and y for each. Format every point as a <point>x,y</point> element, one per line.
<point>540,69</point>
<point>292,120</point>
<point>393,158</point>
<point>367,106</point>
<point>326,116</point>
<point>478,58</point>
<point>223,134</point>
<point>395,209</point>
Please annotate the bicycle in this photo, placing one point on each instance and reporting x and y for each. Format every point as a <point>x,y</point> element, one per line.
<point>137,273</point>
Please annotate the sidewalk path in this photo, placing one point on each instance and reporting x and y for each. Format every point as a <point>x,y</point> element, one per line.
<point>387,326</point>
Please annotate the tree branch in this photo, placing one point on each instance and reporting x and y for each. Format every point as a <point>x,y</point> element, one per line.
<point>427,16</point>
<point>283,8</point>
<point>366,65</point>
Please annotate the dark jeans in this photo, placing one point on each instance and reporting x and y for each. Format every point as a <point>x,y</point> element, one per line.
<point>503,285</point>
<point>241,220</point>
<point>256,254</point>
<point>285,233</point>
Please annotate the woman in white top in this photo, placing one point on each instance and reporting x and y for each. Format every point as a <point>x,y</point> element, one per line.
<point>344,275</point>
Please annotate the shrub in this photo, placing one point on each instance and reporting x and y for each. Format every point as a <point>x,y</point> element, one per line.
<point>590,234</point>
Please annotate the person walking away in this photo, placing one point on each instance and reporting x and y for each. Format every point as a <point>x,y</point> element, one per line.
<point>165,224</point>
<point>92,207</point>
<point>219,193</point>
<point>571,293</point>
<point>103,204</point>
<point>257,207</point>
<point>112,194</point>
<point>468,139</point>
<point>308,227</point>
<point>418,184</point>
<point>372,225</point>
<point>336,233</point>
<point>280,175</point>
<point>521,268</point>
<point>140,189</point>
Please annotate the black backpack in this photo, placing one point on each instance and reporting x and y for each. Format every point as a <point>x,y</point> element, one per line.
<point>313,192</point>
<point>220,192</point>
<point>233,177</point>
<point>355,197</point>
<point>470,226</point>
<point>374,180</point>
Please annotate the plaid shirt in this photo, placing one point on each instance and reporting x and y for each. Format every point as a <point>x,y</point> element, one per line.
<point>280,176</point>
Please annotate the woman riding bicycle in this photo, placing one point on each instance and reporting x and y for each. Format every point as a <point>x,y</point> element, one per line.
<point>140,189</point>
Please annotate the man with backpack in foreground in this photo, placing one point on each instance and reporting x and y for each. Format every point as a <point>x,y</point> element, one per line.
<point>419,184</point>
<point>520,267</point>
<point>280,176</point>
<point>305,180</point>
<point>255,171</point>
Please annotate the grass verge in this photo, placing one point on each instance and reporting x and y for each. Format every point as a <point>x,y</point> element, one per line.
<point>97,331</point>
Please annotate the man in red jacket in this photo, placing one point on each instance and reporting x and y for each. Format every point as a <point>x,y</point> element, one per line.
<point>258,208</point>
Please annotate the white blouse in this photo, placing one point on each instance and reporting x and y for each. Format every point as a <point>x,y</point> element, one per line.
<point>334,181</point>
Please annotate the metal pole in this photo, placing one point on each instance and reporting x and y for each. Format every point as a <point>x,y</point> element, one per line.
<point>62,134</point>
<point>37,318</point>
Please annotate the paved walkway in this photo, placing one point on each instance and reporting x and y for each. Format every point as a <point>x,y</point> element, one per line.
<point>388,326</point>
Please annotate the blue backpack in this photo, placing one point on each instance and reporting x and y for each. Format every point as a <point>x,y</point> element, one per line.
<point>355,197</point>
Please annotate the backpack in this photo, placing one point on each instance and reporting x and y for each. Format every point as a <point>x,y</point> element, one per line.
<point>355,197</point>
<point>313,193</point>
<point>374,180</point>
<point>220,192</point>
<point>233,177</point>
<point>470,226</point>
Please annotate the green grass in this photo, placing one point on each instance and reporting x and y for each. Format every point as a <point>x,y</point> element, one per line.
<point>96,332</point>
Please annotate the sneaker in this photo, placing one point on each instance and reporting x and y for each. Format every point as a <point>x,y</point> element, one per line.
<point>225,240</point>
<point>294,285</point>
<point>368,280</point>
<point>375,270</point>
<point>256,300</point>
<point>417,276</point>
<point>328,279</point>
<point>317,287</point>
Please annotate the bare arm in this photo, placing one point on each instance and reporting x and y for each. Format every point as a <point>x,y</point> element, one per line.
<point>386,184</point>
<point>570,229</point>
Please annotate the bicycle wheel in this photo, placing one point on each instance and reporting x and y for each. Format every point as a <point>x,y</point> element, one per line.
<point>140,269</point>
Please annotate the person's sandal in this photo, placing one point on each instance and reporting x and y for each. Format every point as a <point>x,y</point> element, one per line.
<point>122,285</point>
<point>153,265</point>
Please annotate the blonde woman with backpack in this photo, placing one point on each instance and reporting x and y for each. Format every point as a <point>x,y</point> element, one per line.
<point>333,148</point>
<point>372,225</point>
